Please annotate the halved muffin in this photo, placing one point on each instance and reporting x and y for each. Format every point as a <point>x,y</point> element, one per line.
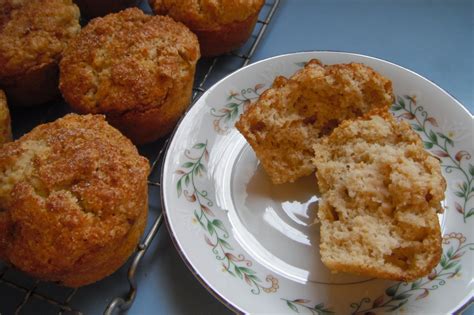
<point>381,192</point>
<point>285,122</point>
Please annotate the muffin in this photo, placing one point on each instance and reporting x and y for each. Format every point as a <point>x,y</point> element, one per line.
<point>33,35</point>
<point>136,69</point>
<point>73,200</point>
<point>381,192</point>
<point>284,123</point>
<point>5,123</point>
<point>94,8</point>
<point>221,26</point>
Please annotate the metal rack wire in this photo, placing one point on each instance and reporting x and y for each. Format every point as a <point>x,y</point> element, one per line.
<point>123,303</point>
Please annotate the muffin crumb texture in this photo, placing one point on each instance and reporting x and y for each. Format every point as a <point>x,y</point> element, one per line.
<point>381,192</point>
<point>285,122</point>
<point>73,200</point>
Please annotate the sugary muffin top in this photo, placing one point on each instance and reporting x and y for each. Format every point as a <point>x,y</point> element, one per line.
<point>33,33</point>
<point>67,188</point>
<point>126,61</point>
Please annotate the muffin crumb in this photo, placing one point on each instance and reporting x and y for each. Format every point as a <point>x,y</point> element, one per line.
<point>374,176</point>
<point>287,119</point>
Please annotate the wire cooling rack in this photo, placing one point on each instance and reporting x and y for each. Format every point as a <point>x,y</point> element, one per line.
<point>54,299</point>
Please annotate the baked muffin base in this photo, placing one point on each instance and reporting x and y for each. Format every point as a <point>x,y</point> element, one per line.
<point>380,195</point>
<point>35,87</point>
<point>147,126</point>
<point>113,257</point>
<point>226,38</point>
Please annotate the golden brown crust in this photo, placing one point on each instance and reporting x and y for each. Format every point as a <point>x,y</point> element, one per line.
<point>381,192</point>
<point>128,65</point>
<point>207,14</point>
<point>74,200</point>
<point>224,39</point>
<point>221,26</point>
<point>147,126</point>
<point>5,122</point>
<point>33,35</point>
<point>287,119</point>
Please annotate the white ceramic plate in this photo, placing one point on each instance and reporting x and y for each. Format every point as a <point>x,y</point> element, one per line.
<point>254,245</point>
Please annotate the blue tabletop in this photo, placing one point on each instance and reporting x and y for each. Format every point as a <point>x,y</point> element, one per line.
<point>434,38</point>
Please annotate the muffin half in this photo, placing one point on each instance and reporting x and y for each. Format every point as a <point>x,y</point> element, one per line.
<point>73,200</point>
<point>284,123</point>
<point>381,192</point>
<point>33,34</point>
<point>136,69</point>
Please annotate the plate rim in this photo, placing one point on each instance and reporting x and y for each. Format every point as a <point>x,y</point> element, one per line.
<point>461,306</point>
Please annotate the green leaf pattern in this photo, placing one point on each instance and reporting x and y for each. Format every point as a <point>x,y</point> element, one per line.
<point>236,103</point>
<point>443,147</point>
<point>302,304</point>
<point>216,233</point>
